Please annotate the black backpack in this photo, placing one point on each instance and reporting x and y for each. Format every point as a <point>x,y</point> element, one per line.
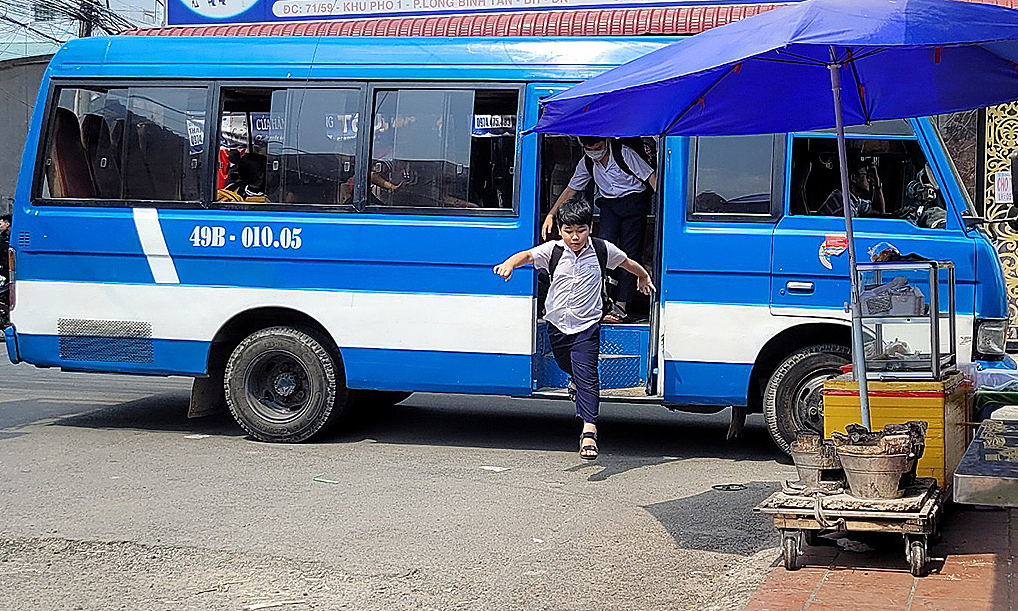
<point>615,150</point>
<point>601,250</point>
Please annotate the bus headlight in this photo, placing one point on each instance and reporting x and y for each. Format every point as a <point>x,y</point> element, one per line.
<point>991,336</point>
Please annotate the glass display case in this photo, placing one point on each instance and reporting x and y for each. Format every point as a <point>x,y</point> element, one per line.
<point>908,316</point>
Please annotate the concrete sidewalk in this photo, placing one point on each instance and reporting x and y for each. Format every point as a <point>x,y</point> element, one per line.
<point>971,570</point>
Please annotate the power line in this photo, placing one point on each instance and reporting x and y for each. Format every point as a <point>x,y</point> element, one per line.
<point>33,30</point>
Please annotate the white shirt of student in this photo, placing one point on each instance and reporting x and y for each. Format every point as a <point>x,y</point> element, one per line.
<point>573,303</point>
<point>610,179</point>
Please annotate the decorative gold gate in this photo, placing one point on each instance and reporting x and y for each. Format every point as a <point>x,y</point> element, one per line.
<point>1001,142</point>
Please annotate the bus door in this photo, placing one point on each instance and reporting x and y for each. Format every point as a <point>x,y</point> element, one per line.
<point>899,206</point>
<point>719,206</point>
<point>626,364</point>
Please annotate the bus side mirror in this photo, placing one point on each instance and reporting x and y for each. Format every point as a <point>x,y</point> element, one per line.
<point>972,221</point>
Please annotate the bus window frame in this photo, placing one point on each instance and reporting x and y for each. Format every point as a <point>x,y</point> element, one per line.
<point>365,150</point>
<point>56,84</point>
<point>778,154</point>
<point>209,190</point>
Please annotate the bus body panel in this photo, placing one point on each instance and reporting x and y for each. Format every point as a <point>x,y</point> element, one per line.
<point>410,300</point>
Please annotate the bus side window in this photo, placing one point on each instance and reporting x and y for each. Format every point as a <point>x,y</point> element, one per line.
<point>164,140</point>
<point>732,177</point>
<point>888,178</point>
<point>443,148</point>
<point>82,159</point>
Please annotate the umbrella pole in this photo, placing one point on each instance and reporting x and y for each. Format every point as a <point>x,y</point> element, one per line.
<point>858,356</point>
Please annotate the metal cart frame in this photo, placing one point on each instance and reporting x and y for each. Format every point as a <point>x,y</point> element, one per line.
<point>801,519</point>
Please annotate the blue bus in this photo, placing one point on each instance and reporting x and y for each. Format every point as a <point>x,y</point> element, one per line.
<point>355,265</point>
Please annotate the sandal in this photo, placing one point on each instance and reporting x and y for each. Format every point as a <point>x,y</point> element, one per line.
<point>588,451</point>
<point>571,390</point>
<point>615,316</point>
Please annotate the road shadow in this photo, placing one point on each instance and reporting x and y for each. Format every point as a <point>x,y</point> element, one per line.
<point>166,412</point>
<point>733,527</point>
<point>630,436</point>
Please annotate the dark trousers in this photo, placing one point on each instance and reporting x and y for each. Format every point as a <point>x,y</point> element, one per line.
<point>624,224</point>
<point>577,354</point>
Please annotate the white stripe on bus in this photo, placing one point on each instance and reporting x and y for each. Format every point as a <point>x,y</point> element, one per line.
<point>716,333</point>
<point>154,246</point>
<point>403,321</point>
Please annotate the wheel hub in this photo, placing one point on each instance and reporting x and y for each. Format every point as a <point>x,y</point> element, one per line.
<point>809,403</point>
<point>285,384</point>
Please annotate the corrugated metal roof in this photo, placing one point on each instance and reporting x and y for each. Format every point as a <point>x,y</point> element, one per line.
<point>672,20</point>
<point>666,21</point>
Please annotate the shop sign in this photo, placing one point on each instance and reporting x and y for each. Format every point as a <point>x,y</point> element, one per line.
<point>196,12</point>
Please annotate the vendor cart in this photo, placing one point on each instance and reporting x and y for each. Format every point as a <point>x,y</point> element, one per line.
<point>801,516</point>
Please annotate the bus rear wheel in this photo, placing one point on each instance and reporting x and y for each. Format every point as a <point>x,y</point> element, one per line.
<point>284,384</point>
<point>793,399</point>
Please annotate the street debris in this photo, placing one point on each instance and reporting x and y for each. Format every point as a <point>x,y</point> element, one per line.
<point>320,478</point>
<point>278,603</point>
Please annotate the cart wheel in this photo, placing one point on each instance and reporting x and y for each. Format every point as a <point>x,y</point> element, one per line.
<point>917,556</point>
<point>812,537</point>
<point>790,549</point>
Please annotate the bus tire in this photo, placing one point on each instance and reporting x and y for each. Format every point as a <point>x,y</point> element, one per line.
<point>284,384</point>
<point>793,398</point>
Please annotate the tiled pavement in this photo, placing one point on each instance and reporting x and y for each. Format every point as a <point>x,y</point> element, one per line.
<point>971,569</point>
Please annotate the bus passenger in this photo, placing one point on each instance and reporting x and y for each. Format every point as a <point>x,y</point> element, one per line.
<point>251,185</point>
<point>626,183</point>
<point>865,192</point>
<point>577,264</point>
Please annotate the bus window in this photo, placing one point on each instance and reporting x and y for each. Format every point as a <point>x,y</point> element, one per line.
<point>443,148</point>
<point>163,143</point>
<point>732,176</point>
<point>137,143</point>
<point>251,121</point>
<point>888,178</point>
<point>295,146</point>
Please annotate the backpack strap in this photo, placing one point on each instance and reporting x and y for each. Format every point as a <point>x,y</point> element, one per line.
<point>556,254</point>
<point>616,152</point>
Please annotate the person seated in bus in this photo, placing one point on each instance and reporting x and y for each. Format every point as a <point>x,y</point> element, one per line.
<point>626,183</point>
<point>250,187</point>
<point>866,194</point>
<point>577,265</point>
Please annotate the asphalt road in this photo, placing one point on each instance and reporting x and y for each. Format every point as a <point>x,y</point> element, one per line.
<point>110,498</point>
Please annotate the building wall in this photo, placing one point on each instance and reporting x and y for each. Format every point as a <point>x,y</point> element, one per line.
<point>1001,142</point>
<point>19,86</point>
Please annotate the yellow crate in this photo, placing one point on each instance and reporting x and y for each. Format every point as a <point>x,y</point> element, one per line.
<point>945,406</point>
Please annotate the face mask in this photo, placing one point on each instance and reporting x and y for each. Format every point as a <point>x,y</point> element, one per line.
<point>596,155</point>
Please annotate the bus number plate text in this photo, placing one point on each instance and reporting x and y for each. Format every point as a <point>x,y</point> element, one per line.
<point>206,236</point>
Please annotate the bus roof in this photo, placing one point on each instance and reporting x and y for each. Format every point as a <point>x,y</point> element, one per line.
<point>364,58</point>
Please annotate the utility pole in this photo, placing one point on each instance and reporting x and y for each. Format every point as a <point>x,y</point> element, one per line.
<point>86,21</point>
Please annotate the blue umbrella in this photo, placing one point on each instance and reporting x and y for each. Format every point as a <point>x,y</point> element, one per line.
<point>777,71</point>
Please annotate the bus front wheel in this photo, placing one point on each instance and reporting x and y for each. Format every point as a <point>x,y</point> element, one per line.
<point>793,399</point>
<point>284,384</point>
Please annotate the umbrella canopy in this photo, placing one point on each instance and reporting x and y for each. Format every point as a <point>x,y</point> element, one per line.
<point>768,73</point>
<point>784,70</point>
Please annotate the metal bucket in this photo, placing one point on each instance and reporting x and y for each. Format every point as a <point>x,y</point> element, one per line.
<point>809,465</point>
<point>874,476</point>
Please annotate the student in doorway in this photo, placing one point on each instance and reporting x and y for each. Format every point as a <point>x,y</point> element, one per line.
<point>626,183</point>
<point>577,264</point>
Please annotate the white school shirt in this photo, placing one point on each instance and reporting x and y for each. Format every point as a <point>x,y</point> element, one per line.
<point>610,179</point>
<point>573,303</point>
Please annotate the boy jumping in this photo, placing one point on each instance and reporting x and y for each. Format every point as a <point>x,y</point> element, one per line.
<point>573,305</point>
